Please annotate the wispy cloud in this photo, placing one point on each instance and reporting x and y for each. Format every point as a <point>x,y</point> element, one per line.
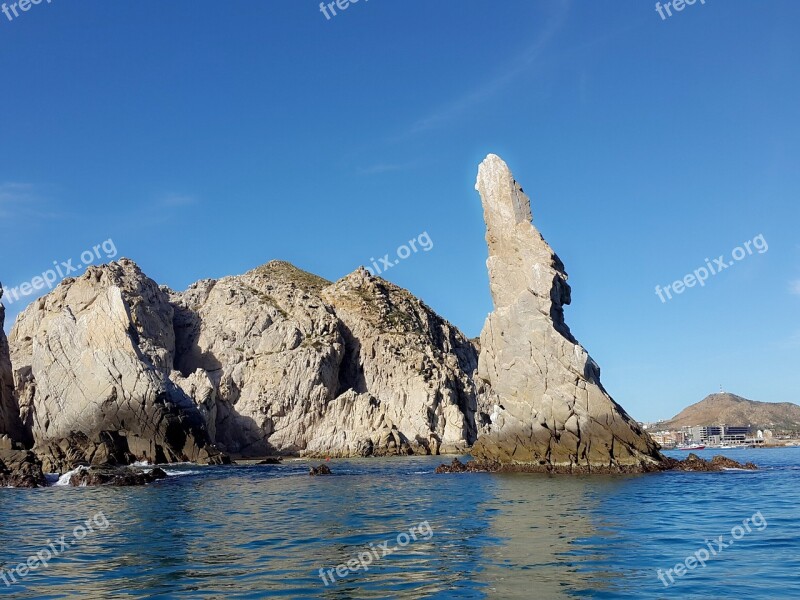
<point>173,200</point>
<point>491,87</point>
<point>794,287</point>
<point>387,167</point>
<point>23,201</point>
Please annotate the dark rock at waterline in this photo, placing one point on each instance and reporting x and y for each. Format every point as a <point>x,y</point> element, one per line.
<point>320,470</point>
<point>471,467</point>
<point>718,463</point>
<point>271,461</point>
<point>108,448</point>
<point>21,468</point>
<point>690,463</point>
<point>497,467</point>
<point>115,476</point>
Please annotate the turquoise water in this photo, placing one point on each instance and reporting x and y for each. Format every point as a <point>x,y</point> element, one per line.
<point>266,531</point>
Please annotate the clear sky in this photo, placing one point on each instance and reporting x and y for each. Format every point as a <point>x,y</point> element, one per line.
<point>206,138</point>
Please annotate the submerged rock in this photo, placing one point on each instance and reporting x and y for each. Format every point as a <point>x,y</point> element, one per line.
<point>470,467</point>
<point>115,476</point>
<point>691,463</point>
<point>718,463</point>
<point>547,408</point>
<point>320,470</point>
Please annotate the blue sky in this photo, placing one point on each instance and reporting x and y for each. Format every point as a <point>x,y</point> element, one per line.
<point>206,138</point>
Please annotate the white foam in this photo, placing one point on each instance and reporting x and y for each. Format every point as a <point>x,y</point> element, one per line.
<point>64,479</point>
<point>180,473</point>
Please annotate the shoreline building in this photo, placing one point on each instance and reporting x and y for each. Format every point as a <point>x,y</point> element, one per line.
<point>717,434</point>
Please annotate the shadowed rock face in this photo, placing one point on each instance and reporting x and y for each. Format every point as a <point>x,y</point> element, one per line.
<point>10,422</point>
<point>548,408</point>
<point>92,361</point>
<point>20,468</point>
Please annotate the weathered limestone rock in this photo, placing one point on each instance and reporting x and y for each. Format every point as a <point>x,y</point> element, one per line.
<point>91,364</point>
<point>547,407</point>
<point>271,349</point>
<point>109,369</point>
<point>10,422</point>
<point>410,368</point>
<point>301,366</point>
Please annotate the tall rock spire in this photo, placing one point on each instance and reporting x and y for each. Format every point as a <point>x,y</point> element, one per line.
<point>548,408</point>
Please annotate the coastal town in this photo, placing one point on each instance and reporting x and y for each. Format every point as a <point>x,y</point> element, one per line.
<point>720,436</point>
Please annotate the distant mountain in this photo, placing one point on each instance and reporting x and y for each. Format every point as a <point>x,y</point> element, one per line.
<point>731,409</point>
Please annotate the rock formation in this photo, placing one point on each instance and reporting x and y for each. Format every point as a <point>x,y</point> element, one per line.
<point>20,468</point>
<point>111,369</point>
<point>548,409</point>
<point>292,364</point>
<point>91,364</point>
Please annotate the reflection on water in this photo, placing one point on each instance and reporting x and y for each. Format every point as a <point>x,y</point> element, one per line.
<point>266,531</point>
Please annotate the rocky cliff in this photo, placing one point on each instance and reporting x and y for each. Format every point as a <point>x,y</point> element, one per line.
<point>110,368</point>
<point>91,364</point>
<point>549,410</point>
<point>293,364</point>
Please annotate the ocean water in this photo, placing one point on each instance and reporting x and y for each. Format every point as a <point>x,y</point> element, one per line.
<point>266,531</point>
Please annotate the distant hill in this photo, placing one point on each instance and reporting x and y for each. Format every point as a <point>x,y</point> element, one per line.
<point>731,409</point>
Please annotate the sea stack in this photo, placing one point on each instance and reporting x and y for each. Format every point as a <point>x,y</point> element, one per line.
<point>547,407</point>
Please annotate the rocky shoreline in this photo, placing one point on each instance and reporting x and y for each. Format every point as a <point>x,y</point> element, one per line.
<point>690,463</point>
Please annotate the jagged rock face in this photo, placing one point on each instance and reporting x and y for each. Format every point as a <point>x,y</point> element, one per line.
<point>548,407</point>
<point>10,422</point>
<point>410,368</point>
<point>269,348</point>
<point>297,365</point>
<point>91,365</point>
<point>110,368</point>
